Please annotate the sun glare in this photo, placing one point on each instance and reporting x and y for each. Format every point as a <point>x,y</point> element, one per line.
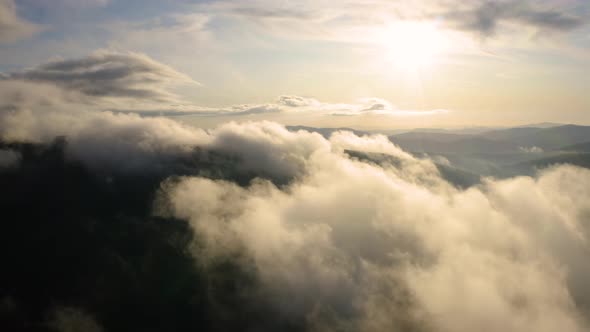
<point>414,45</point>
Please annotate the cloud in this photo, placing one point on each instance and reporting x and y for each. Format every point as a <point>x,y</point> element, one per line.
<point>486,17</point>
<point>74,99</point>
<point>289,105</point>
<point>254,109</point>
<point>364,23</point>
<point>108,74</point>
<point>104,139</point>
<point>35,112</point>
<point>194,110</point>
<point>12,27</point>
<point>296,101</point>
<point>383,247</point>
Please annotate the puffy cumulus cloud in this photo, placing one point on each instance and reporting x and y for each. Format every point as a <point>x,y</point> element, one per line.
<point>12,27</point>
<point>33,112</point>
<point>267,148</point>
<point>486,17</point>
<point>109,74</point>
<point>350,244</point>
<point>125,141</point>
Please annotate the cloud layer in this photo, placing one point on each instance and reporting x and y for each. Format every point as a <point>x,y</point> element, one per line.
<point>387,247</point>
<point>108,74</point>
<point>354,22</point>
<point>486,17</point>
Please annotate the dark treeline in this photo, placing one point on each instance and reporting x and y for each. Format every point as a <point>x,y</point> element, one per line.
<point>72,237</point>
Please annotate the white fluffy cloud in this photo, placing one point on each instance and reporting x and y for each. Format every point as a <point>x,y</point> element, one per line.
<point>34,112</point>
<point>367,247</point>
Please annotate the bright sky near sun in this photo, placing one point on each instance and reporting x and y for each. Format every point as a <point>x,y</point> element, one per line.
<point>367,64</point>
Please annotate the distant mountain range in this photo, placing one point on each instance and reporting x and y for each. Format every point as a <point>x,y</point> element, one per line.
<point>580,147</point>
<point>497,152</point>
<point>327,132</point>
<point>479,140</point>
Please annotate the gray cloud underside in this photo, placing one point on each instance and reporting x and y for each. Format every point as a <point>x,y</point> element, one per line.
<point>135,83</point>
<point>486,17</point>
<point>483,17</point>
<point>108,74</point>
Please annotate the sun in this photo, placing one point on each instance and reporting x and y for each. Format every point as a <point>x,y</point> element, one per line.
<point>413,45</point>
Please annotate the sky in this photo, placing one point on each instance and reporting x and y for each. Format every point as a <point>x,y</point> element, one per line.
<point>372,64</point>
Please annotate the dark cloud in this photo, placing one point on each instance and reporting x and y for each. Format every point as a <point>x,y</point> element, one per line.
<point>13,27</point>
<point>108,74</point>
<point>487,17</point>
